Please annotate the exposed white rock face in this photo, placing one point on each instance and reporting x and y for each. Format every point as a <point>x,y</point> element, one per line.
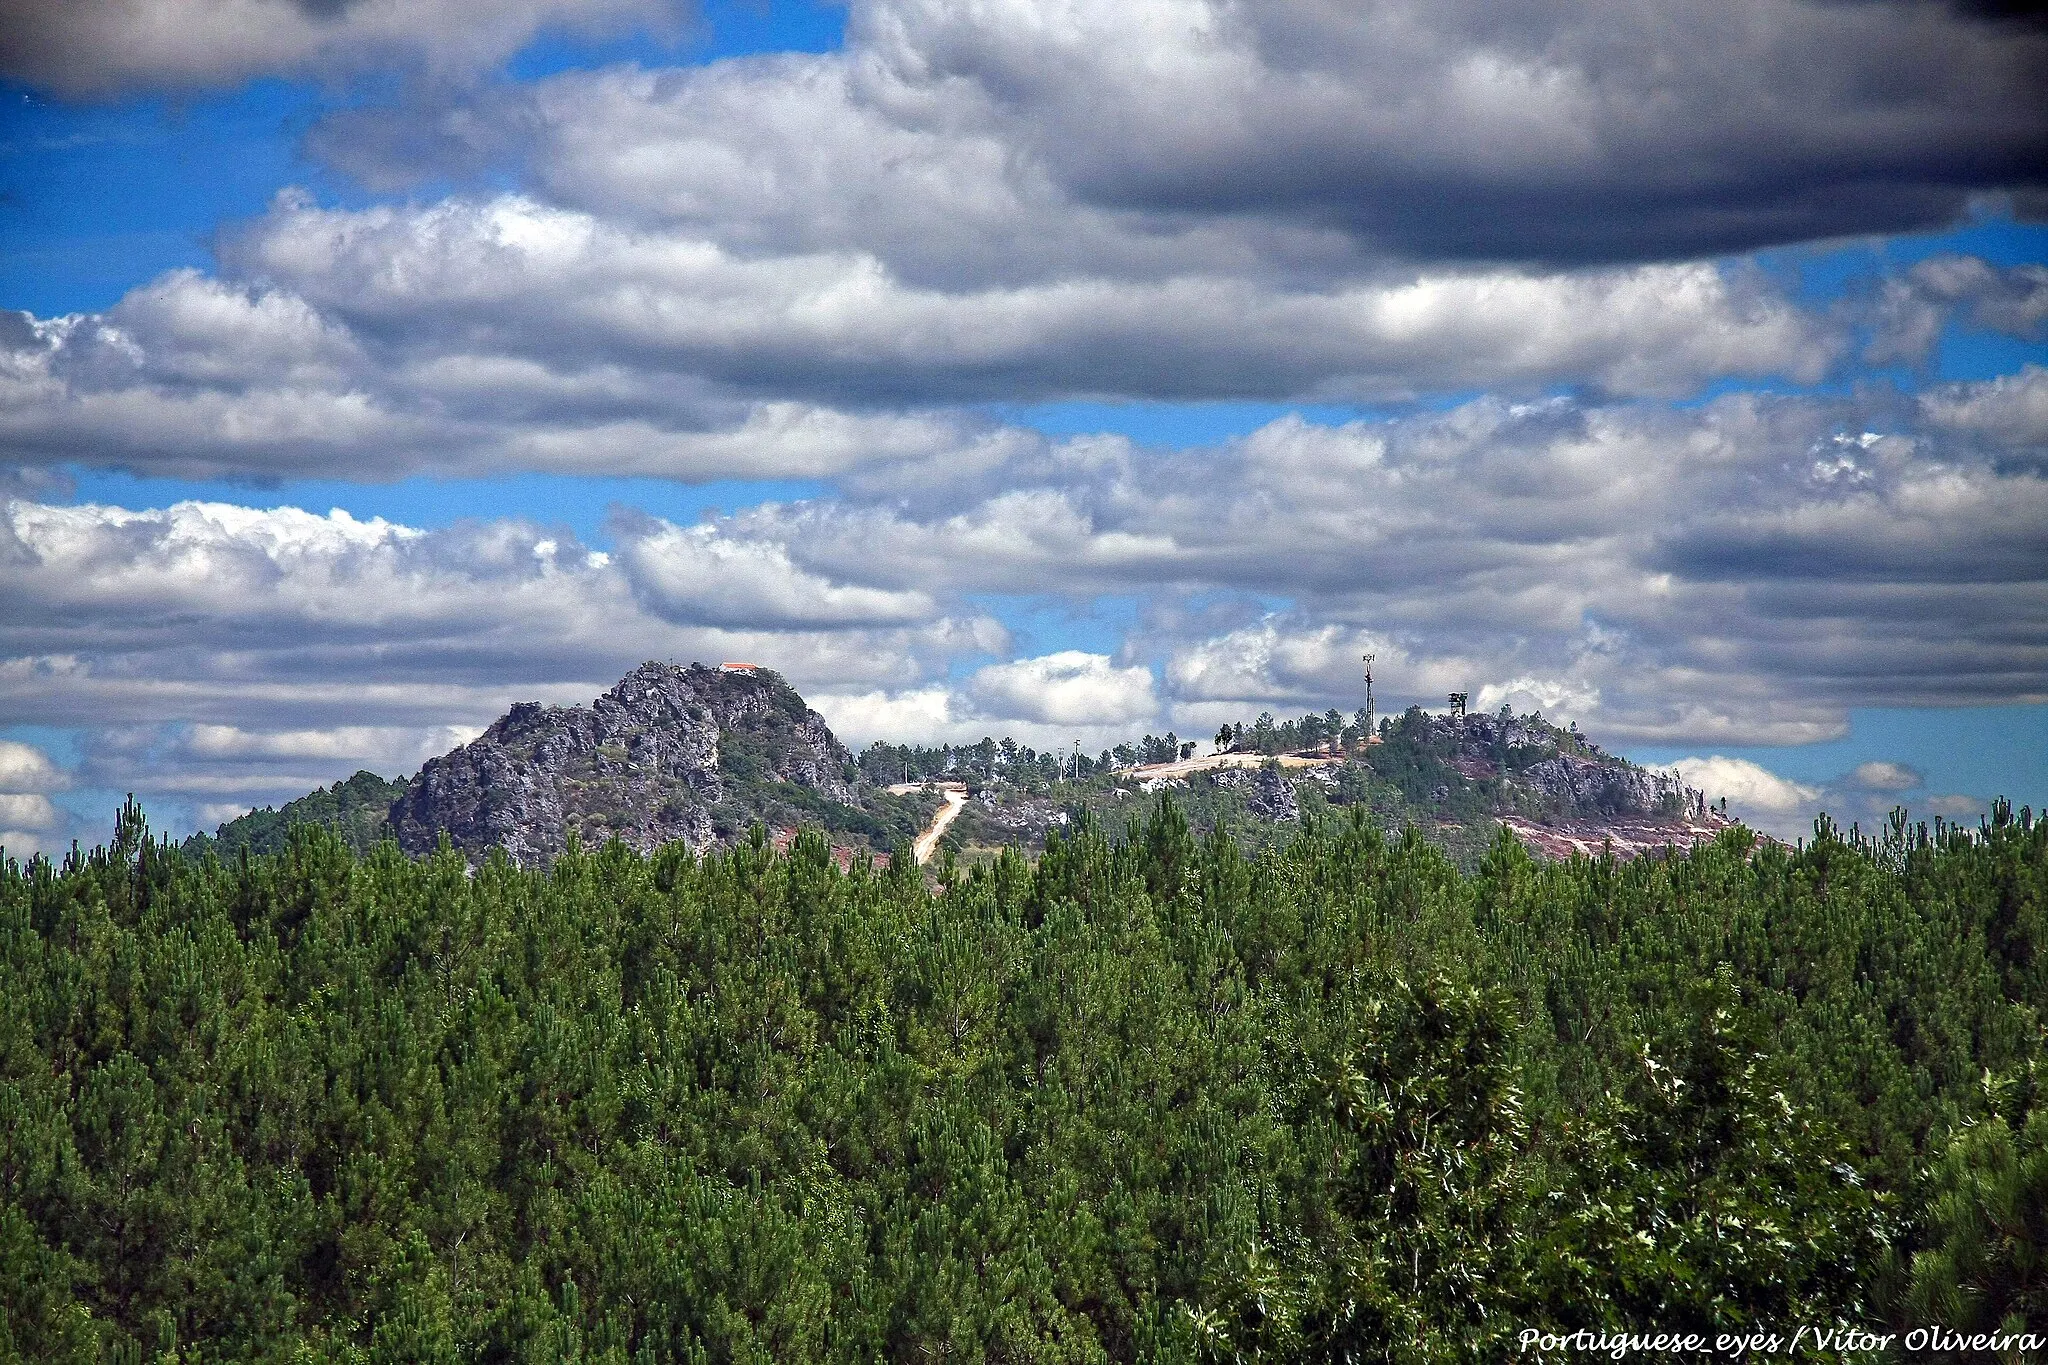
<point>1569,776</point>
<point>662,756</point>
<point>1268,793</point>
<point>1605,788</point>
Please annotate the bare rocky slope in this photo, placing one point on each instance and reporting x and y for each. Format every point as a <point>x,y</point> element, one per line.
<point>696,754</point>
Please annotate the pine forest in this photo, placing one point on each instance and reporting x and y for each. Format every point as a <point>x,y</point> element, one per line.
<point>1152,1098</point>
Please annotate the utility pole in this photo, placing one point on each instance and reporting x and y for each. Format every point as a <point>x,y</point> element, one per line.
<point>1369,721</point>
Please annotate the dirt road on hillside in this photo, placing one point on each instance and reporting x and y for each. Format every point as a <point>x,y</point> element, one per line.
<point>1209,763</point>
<point>955,795</point>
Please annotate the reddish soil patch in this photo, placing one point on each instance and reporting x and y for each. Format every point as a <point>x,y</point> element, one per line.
<point>1625,836</point>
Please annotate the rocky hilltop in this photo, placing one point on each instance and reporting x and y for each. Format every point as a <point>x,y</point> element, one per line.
<point>701,754</point>
<point>696,754</point>
<point>1556,789</point>
<point>1456,778</point>
<point>1534,768</point>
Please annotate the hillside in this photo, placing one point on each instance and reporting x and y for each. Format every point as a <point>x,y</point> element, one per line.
<point>357,810</point>
<point>699,755</point>
<point>694,753</point>
<point>1455,780</point>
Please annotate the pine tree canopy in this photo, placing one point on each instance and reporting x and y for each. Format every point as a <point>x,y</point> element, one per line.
<point>1151,1098</point>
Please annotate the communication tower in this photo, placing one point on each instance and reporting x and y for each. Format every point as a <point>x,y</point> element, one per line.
<point>1371,726</point>
<point>1458,705</point>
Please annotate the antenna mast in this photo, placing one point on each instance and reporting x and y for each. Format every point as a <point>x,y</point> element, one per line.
<point>1369,722</point>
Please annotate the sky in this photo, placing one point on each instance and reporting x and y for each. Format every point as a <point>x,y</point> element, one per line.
<point>1071,370</point>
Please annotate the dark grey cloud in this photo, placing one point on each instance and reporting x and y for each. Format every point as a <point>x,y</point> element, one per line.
<point>2027,12</point>
<point>740,270</point>
<point>105,47</point>
<point>1306,135</point>
<point>1558,133</point>
<point>1300,138</point>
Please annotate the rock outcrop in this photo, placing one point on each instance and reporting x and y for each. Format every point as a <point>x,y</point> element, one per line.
<point>1268,792</point>
<point>1553,773</point>
<point>670,753</point>
<point>1581,784</point>
<point>1623,837</point>
<point>1557,790</point>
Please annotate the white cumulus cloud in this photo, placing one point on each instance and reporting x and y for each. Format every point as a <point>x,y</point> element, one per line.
<point>1881,775</point>
<point>1071,687</point>
<point>1748,787</point>
<point>30,822</point>
<point>29,812</point>
<point>26,769</point>
<point>701,576</point>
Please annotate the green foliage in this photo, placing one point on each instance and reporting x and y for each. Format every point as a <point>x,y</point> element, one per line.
<point>887,819</point>
<point>355,810</point>
<point>1670,1200</point>
<point>1985,1267</point>
<point>1155,1097</point>
<point>1415,759</point>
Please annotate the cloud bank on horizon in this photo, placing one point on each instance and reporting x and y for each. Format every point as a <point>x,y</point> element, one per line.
<point>1606,454</point>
